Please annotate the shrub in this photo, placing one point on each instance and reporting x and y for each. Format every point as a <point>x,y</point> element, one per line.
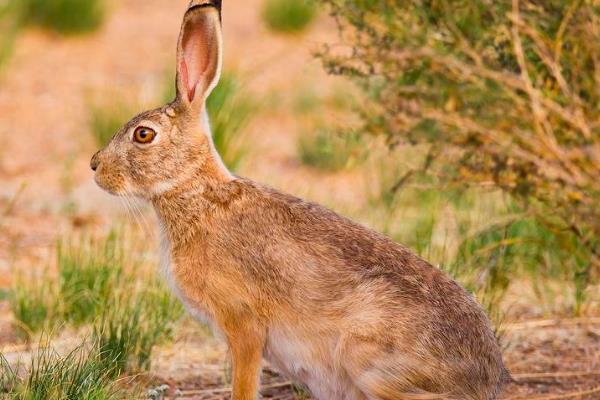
<point>499,92</point>
<point>65,16</point>
<point>289,16</point>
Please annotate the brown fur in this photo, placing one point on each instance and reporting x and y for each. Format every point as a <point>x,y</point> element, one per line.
<point>335,305</point>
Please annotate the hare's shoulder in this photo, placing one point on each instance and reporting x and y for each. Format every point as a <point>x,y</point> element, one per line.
<point>319,227</point>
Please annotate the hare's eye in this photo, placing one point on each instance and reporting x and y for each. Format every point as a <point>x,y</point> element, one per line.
<point>144,135</point>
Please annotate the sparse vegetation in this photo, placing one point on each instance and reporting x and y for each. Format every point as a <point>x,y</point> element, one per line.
<point>231,108</point>
<point>330,150</point>
<point>130,327</point>
<point>65,16</point>
<point>9,24</point>
<point>131,312</point>
<point>80,374</point>
<point>89,271</point>
<point>33,303</point>
<point>289,16</point>
<point>107,119</point>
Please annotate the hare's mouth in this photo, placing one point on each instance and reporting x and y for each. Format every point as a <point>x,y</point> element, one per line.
<point>114,185</point>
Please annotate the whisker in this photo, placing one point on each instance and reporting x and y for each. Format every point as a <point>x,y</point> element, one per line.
<point>145,223</point>
<point>130,207</point>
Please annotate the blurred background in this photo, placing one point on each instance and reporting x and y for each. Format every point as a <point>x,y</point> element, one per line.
<point>468,130</point>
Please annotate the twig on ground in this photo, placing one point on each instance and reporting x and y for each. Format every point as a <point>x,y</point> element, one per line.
<point>228,390</point>
<point>570,395</point>
<point>559,374</point>
<point>545,323</point>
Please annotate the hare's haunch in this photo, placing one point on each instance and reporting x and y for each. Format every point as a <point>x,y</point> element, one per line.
<point>332,304</point>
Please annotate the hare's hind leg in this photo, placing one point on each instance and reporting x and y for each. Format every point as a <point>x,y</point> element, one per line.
<point>382,372</point>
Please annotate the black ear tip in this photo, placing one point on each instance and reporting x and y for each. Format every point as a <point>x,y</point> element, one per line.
<point>206,3</point>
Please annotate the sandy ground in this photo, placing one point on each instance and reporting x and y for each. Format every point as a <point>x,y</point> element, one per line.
<point>45,92</point>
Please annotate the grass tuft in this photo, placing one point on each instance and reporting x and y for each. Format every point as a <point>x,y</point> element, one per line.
<point>131,311</point>
<point>33,303</point>
<point>330,150</point>
<point>89,272</point>
<point>9,24</point>
<point>131,327</point>
<point>65,16</point>
<point>289,16</point>
<point>80,374</point>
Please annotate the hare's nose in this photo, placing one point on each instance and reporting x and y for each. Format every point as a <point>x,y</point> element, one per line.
<point>95,162</point>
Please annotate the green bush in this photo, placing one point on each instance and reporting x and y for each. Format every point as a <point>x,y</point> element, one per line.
<point>289,16</point>
<point>65,16</point>
<point>502,93</point>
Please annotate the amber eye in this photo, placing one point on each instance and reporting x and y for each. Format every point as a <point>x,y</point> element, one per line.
<point>144,135</point>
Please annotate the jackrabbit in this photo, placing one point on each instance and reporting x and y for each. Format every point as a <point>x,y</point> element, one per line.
<point>333,305</point>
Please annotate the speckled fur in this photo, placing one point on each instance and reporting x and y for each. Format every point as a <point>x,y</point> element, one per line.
<point>333,304</point>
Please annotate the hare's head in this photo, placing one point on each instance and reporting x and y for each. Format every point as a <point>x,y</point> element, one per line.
<point>165,148</point>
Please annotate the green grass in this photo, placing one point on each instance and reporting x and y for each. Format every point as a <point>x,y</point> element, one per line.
<point>65,16</point>
<point>330,150</point>
<point>33,304</point>
<point>130,311</point>
<point>231,109</point>
<point>289,16</point>
<point>89,273</point>
<point>106,120</point>
<point>131,328</point>
<point>81,374</point>
<point>9,24</point>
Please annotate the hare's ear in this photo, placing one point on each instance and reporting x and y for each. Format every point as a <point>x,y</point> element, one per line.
<point>199,53</point>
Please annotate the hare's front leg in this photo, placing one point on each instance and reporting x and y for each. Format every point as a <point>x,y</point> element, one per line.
<point>246,345</point>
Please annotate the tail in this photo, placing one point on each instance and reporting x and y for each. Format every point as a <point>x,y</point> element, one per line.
<point>506,377</point>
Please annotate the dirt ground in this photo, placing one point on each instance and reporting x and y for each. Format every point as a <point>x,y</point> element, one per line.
<point>45,92</point>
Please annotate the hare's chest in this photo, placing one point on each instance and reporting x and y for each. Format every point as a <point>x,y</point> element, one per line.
<point>168,270</point>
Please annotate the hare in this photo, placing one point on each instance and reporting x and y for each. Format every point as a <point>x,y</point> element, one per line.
<point>333,305</point>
